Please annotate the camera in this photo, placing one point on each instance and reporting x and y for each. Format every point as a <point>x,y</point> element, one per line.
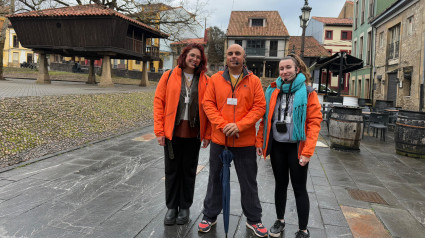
<point>281,127</point>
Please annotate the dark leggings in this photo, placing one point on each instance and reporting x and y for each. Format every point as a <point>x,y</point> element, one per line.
<point>285,163</point>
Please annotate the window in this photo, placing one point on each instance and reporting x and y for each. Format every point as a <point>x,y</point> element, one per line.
<point>256,47</point>
<point>381,39</point>
<point>257,22</point>
<point>15,57</point>
<point>239,42</point>
<point>328,35</point>
<point>363,13</point>
<point>407,80</point>
<point>346,35</point>
<point>137,61</point>
<point>410,25</point>
<point>361,48</point>
<point>393,46</point>
<point>370,8</point>
<point>273,48</point>
<point>15,41</point>
<point>369,48</point>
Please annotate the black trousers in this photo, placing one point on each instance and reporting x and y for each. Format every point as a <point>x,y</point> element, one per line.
<point>180,172</point>
<point>285,164</point>
<point>246,168</point>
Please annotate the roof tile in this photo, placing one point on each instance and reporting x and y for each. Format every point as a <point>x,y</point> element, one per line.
<point>334,21</point>
<point>239,24</point>
<point>312,47</point>
<point>83,10</point>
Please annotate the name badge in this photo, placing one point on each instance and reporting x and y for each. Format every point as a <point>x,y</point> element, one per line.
<point>288,119</point>
<point>232,101</point>
<point>186,99</point>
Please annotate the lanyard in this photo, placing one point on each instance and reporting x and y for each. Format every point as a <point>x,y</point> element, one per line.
<point>233,87</point>
<point>188,87</point>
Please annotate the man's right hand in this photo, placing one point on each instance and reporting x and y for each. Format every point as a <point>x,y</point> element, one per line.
<point>161,140</point>
<point>259,151</point>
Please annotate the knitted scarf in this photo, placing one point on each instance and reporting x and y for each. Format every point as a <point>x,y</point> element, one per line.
<point>299,105</point>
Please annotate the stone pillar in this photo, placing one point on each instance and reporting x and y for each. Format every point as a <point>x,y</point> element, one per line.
<point>106,79</point>
<point>144,82</point>
<point>264,69</point>
<point>43,71</point>
<point>92,76</point>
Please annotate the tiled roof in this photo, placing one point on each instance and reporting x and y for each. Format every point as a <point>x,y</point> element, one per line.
<point>351,2</point>
<point>239,24</point>
<point>335,21</point>
<point>190,41</point>
<point>312,47</point>
<point>83,10</point>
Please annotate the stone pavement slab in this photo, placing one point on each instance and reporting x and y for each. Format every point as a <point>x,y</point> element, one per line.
<point>115,188</point>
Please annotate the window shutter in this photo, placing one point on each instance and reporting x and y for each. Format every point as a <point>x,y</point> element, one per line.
<point>349,35</point>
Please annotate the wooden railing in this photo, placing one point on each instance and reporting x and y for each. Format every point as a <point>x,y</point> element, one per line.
<point>137,46</point>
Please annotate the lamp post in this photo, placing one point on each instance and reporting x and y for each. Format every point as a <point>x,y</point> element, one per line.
<point>303,23</point>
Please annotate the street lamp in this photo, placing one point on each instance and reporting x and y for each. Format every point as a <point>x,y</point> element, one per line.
<point>303,23</point>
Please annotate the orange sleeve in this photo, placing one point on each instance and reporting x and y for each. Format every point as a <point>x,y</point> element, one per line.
<point>159,105</point>
<point>210,106</point>
<point>208,125</point>
<point>259,140</point>
<point>257,110</point>
<point>313,120</point>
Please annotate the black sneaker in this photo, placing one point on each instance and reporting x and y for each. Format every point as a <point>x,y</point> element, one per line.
<point>277,228</point>
<point>302,234</point>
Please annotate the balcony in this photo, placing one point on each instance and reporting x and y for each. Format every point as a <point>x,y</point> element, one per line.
<point>256,52</point>
<point>137,46</point>
<point>152,51</point>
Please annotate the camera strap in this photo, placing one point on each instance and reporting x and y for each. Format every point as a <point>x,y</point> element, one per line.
<point>287,101</point>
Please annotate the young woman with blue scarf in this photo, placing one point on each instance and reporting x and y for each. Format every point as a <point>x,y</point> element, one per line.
<point>288,133</point>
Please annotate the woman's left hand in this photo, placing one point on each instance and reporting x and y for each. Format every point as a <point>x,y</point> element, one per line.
<point>205,143</point>
<point>304,160</point>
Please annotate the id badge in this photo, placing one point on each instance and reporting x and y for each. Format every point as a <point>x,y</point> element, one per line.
<point>186,99</point>
<point>232,101</point>
<point>288,119</point>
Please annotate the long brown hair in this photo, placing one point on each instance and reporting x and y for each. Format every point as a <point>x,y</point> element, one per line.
<point>299,63</point>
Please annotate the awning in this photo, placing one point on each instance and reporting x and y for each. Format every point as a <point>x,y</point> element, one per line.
<point>349,63</point>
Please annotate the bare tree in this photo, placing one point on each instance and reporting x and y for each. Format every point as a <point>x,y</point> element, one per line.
<point>5,8</point>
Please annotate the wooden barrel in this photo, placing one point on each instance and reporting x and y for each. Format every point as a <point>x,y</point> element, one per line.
<point>346,127</point>
<point>409,134</point>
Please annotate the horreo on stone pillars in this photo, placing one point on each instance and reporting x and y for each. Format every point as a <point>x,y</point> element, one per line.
<point>106,78</point>
<point>43,71</point>
<point>92,76</point>
<point>144,82</point>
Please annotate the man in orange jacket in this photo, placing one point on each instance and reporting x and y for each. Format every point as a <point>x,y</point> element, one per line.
<point>233,102</point>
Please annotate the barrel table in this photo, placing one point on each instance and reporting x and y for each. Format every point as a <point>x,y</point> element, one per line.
<point>346,127</point>
<point>409,134</point>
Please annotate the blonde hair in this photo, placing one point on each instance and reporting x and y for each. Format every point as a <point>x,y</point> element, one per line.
<point>299,63</point>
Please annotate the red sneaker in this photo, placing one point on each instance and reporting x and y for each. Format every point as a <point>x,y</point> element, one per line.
<point>205,226</point>
<point>258,229</point>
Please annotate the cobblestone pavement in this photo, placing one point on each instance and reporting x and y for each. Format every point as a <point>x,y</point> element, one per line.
<point>25,87</point>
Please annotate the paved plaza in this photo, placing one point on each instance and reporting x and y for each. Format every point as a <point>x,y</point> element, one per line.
<point>115,188</point>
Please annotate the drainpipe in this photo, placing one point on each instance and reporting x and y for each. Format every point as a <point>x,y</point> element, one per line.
<point>421,91</point>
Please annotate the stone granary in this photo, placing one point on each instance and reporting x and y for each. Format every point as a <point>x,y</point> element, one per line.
<point>91,31</point>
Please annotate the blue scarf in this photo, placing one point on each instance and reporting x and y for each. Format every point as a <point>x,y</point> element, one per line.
<point>299,111</point>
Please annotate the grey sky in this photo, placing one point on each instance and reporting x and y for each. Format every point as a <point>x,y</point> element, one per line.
<point>289,10</point>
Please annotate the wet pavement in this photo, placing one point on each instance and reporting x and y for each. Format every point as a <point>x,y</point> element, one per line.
<point>115,188</point>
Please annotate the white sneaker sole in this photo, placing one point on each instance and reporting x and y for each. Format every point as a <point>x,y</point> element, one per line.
<point>252,228</point>
<point>212,224</point>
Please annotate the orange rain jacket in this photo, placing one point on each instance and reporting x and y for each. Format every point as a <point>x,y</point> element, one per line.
<point>312,126</point>
<point>166,101</point>
<point>251,106</point>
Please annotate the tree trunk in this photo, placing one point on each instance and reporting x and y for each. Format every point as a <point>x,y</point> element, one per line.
<point>2,41</point>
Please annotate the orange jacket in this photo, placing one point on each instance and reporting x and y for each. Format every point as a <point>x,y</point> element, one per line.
<point>166,101</point>
<point>251,106</point>
<point>312,125</point>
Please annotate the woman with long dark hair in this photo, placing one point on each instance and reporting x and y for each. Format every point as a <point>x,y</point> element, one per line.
<point>288,133</point>
<point>180,125</point>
